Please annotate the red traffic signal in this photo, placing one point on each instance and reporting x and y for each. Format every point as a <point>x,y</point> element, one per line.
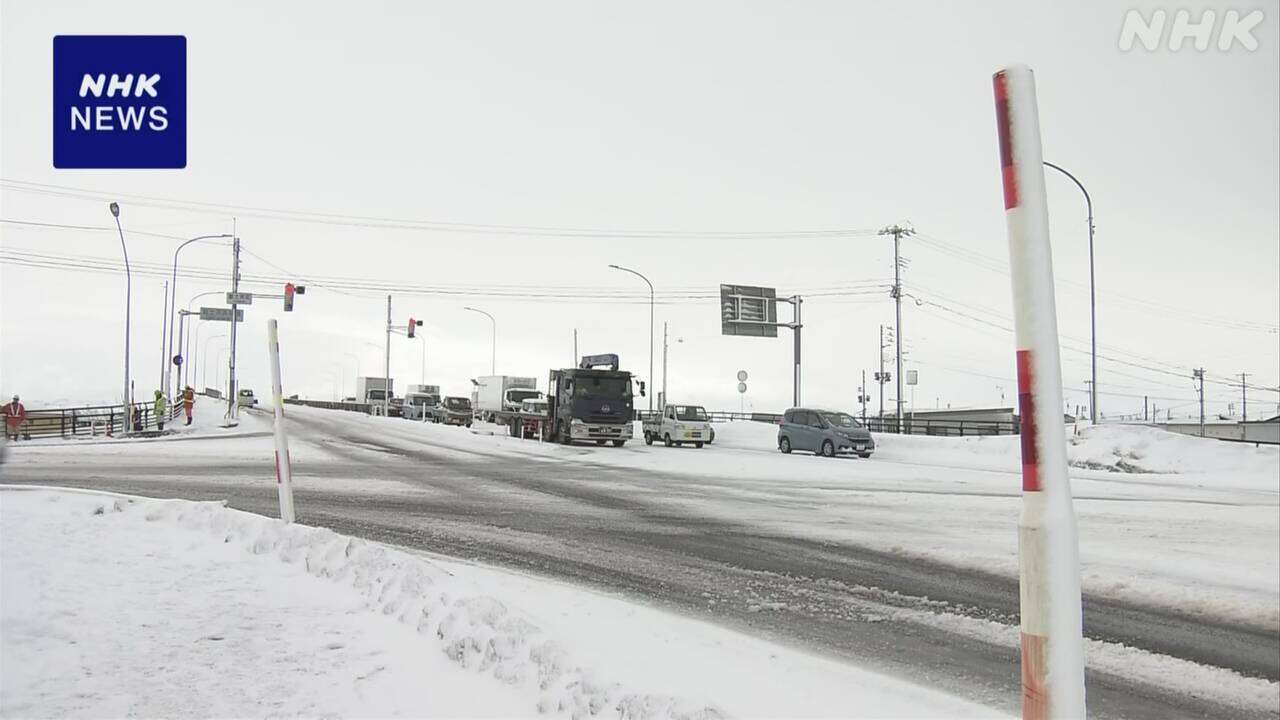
<point>414,324</point>
<point>289,290</point>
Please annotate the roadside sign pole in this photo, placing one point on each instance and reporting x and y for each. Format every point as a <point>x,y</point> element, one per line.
<point>1048,547</point>
<point>284,470</point>
<point>231,367</point>
<point>386,378</point>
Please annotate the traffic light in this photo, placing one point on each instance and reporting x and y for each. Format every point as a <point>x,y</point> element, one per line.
<point>413,324</point>
<point>289,290</point>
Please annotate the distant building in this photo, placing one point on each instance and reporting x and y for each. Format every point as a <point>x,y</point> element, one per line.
<point>1254,431</point>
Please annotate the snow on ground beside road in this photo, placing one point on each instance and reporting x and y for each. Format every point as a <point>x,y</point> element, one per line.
<point>251,617</point>
<point>1205,542</point>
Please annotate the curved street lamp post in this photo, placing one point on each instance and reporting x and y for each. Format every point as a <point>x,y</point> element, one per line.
<point>1093,311</point>
<point>651,302</point>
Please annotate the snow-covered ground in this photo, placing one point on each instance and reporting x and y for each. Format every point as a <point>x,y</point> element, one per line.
<point>1197,530</point>
<point>252,617</point>
<point>1177,521</point>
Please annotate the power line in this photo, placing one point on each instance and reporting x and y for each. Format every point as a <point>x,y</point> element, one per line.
<point>370,221</point>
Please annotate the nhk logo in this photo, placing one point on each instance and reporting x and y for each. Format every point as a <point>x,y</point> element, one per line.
<point>119,101</point>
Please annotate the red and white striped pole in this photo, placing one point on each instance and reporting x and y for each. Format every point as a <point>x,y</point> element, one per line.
<point>284,471</point>
<point>1052,644</point>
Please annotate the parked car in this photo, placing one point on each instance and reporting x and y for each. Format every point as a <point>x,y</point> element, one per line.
<point>245,398</point>
<point>453,410</point>
<point>824,432</point>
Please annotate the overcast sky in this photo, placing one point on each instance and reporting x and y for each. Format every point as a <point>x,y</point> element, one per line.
<point>679,120</point>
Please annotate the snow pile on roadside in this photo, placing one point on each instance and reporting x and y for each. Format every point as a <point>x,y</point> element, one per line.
<point>1138,448</point>
<point>476,632</point>
<point>168,608</point>
<point>1113,448</point>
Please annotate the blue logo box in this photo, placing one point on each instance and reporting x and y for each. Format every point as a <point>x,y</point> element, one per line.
<point>119,101</point>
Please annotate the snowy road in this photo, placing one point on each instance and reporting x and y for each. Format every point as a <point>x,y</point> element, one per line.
<point>686,544</point>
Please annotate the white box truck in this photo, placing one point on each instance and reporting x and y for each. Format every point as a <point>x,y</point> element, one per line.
<point>499,395</point>
<point>373,390</point>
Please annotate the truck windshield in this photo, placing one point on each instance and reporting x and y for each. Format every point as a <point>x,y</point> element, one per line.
<point>454,403</point>
<point>690,412</point>
<point>376,395</point>
<point>516,396</point>
<point>588,386</point>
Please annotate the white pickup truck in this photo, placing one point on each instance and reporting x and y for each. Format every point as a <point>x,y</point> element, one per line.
<point>678,425</point>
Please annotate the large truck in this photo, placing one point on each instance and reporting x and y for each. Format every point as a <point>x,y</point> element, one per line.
<point>496,397</point>
<point>373,390</point>
<point>592,402</point>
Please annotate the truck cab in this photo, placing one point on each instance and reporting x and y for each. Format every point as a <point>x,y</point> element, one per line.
<point>453,410</point>
<point>419,405</point>
<point>678,425</point>
<point>592,402</point>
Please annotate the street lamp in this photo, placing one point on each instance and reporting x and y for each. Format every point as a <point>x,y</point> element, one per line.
<point>646,280</point>
<point>493,361</point>
<point>1093,313</point>
<point>204,361</point>
<point>128,293</point>
<point>188,358</point>
<point>173,301</point>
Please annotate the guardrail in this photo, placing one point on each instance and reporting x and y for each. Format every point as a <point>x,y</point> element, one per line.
<point>88,421</point>
<point>359,407</point>
<point>957,428</point>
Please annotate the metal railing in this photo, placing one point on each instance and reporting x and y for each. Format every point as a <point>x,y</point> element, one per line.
<point>360,407</point>
<point>89,420</point>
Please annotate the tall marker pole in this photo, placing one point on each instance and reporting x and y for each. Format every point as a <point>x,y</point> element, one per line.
<point>284,472</point>
<point>1052,644</point>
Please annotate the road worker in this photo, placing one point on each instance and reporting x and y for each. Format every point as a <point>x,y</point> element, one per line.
<point>188,401</point>
<point>14,415</point>
<point>160,406</point>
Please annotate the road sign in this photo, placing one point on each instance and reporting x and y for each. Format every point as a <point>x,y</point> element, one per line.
<point>742,387</point>
<point>239,298</point>
<point>913,377</point>
<point>742,376</point>
<point>748,310</point>
<point>220,314</point>
<point>177,360</point>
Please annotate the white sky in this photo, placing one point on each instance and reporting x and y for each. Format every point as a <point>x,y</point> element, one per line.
<point>717,116</point>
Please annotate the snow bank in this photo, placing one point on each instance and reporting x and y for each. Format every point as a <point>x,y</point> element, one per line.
<point>253,617</point>
<point>476,632</point>
<point>1138,448</point>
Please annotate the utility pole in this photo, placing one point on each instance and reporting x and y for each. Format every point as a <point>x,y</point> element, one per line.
<point>1244,397</point>
<point>1199,375</point>
<point>575,349</point>
<point>862,396</point>
<point>880,376</point>
<point>897,232</point>
<point>1145,417</point>
<point>386,378</point>
<point>164,331</point>
<point>231,367</point>
<point>663,402</point>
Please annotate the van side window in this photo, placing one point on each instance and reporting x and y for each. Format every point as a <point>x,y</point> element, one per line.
<point>789,417</point>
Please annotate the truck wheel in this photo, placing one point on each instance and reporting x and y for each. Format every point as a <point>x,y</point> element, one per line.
<point>648,438</point>
<point>785,445</point>
<point>601,442</point>
<point>467,424</point>
<point>698,445</point>
<point>619,443</point>
<point>562,435</point>
<point>666,439</point>
<point>828,449</point>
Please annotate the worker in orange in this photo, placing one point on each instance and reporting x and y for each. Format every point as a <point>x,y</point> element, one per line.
<point>188,401</point>
<point>14,415</point>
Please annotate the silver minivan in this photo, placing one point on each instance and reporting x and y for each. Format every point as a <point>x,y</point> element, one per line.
<point>824,432</point>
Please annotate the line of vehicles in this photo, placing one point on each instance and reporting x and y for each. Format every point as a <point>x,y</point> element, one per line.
<point>594,403</point>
